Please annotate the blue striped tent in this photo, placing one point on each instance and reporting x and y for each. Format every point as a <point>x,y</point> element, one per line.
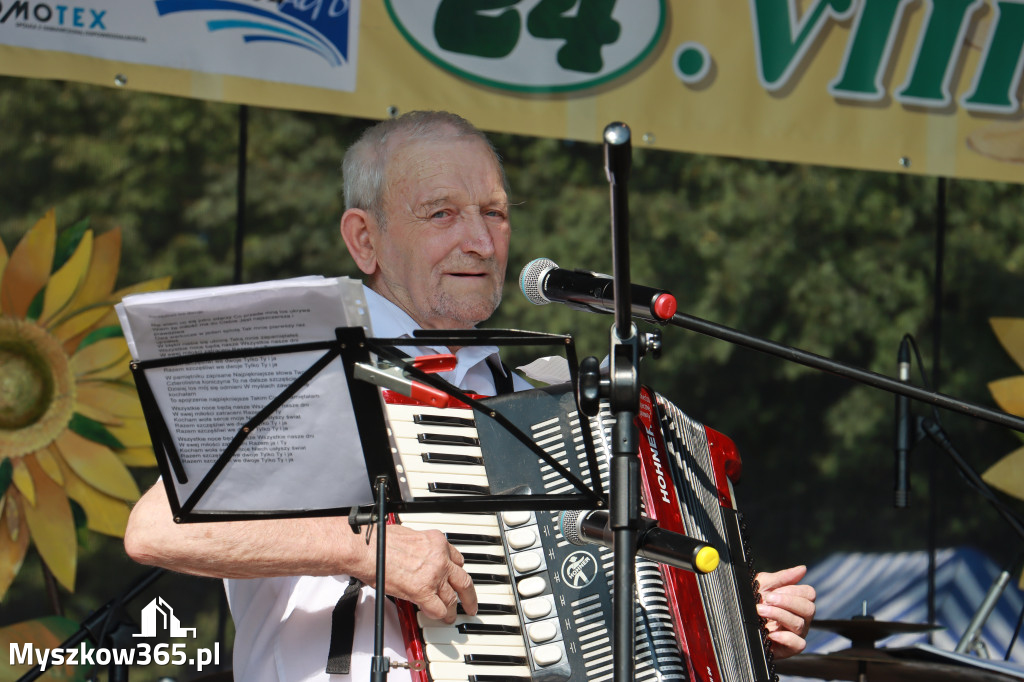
<point>894,588</point>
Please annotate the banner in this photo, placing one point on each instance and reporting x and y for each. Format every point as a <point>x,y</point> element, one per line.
<point>917,86</point>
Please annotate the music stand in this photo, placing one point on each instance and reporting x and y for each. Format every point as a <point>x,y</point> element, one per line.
<point>196,498</point>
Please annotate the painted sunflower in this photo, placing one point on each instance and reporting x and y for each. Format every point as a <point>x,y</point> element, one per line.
<point>1007,474</point>
<point>70,419</point>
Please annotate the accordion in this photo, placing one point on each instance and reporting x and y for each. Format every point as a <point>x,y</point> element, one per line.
<point>545,604</point>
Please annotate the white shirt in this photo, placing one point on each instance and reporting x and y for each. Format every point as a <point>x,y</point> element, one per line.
<point>283,625</point>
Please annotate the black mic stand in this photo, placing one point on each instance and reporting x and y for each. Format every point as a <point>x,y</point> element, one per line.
<point>108,627</point>
<point>622,390</point>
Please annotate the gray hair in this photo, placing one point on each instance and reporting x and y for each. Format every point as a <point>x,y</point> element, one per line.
<point>364,169</point>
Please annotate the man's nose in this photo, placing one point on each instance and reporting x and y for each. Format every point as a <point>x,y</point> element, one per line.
<point>477,238</point>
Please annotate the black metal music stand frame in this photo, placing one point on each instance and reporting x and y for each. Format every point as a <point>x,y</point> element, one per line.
<point>352,348</point>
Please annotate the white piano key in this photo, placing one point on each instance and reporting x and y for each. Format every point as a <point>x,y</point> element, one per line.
<point>411,447</point>
<point>441,521</point>
<point>404,429</point>
<point>463,618</point>
<point>449,635</point>
<point>461,671</point>
<point>409,412</point>
<point>494,569</point>
<point>417,464</point>
<point>440,469</point>
<point>448,474</point>
<point>488,592</point>
<point>453,653</point>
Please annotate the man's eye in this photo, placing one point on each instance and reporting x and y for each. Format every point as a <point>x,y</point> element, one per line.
<point>443,213</point>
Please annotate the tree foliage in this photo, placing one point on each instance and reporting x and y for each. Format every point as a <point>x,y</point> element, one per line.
<point>837,262</point>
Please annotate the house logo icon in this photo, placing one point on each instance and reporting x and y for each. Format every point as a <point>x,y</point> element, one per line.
<point>158,615</point>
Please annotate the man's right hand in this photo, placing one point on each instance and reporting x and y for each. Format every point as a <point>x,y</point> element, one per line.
<point>424,569</point>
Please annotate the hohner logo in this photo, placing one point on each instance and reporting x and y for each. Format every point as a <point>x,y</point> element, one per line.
<point>656,461</point>
<point>579,569</point>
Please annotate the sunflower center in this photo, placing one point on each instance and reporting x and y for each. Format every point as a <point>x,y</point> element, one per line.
<point>36,387</point>
<point>26,386</point>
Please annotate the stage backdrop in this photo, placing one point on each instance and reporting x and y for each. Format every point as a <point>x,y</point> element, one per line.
<point>918,86</point>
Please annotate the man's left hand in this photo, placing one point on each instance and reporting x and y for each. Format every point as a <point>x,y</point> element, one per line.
<point>789,608</point>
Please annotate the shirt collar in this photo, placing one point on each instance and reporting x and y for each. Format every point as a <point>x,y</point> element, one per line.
<point>391,322</point>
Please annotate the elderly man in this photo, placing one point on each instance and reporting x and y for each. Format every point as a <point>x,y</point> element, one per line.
<point>427,221</point>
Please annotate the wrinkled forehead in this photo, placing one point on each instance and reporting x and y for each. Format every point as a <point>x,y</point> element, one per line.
<point>430,168</point>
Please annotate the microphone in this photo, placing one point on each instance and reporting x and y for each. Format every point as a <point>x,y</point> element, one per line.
<point>588,527</point>
<point>901,496</point>
<point>542,281</point>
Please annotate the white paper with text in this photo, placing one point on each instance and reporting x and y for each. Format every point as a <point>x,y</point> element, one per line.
<point>307,455</point>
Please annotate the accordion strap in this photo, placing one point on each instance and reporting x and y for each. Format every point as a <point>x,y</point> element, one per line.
<point>343,625</point>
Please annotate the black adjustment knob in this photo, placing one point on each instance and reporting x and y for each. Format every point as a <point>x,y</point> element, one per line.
<point>589,388</point>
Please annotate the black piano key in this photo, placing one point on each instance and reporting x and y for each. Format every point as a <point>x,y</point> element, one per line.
<point>472,539</point>
<point>475,558</point>
<point>458,489</point>
<point>448,458</point>
<point>486,629</point>
<point>446,439</point>
<point>489,579</point>
<point>495,659</point>
<point>443,420</point>
<point>490,609</point>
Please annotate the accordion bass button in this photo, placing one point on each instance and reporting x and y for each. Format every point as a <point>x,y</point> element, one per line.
<point>526,562</point>
<point>538,607</point>
<point>544,631</point>
<point>521,538</point>
<point>546,655</point>
<point>532,586</point>
<point>516,518</point>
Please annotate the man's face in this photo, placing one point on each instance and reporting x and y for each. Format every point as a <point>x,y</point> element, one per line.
<point>442,255</point>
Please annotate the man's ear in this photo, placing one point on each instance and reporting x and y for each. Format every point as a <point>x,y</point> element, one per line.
<point>356,231</point>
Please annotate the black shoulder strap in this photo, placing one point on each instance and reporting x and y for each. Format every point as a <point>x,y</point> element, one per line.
<point>503,382</point>
<point>343,625</point>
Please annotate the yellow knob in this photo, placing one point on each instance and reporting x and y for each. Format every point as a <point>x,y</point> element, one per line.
<point>706,560</point>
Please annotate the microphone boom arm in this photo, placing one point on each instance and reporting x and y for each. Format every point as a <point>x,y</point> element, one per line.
<point>863,376</point>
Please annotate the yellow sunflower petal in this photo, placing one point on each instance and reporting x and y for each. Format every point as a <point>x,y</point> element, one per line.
<point>12,554</point>
<point>64,283</point>
<point>53,528</point>
<point>137,457</point>
<point>157,284</point>
<point>97,465</point>
<point>104,514</point>
<point>29,266</point>
<point>1010,332</point>
<point>23,480</point>
<point>1009,394</point>
<point>1007,474</point>
<point>98,358</point>
<point>110,316</point>
<point>132,433</point>
<point>115,400</point>
<point>42,633</point>
<point>50,466</point>
<point>92,298</point>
